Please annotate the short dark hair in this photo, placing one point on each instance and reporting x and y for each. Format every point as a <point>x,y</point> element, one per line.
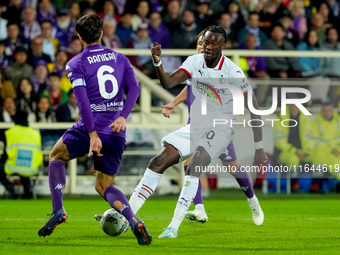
<point>70,92</point>
<point>89,27</point>
<point>54,74</point>
<point>217,29</point>
<point>199,35</point>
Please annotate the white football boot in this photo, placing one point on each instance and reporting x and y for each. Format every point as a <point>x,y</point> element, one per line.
<point>256,211</point>
<point>169,232</point>
<point>197,215</point>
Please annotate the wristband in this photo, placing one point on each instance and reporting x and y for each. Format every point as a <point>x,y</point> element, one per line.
<point>157,64</point>
<point>258,145</point>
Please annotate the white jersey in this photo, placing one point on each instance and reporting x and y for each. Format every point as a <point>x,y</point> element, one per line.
<point>208,83</point>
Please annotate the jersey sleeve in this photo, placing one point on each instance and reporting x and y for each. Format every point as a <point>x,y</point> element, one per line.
<point>187,66</point>
<point>240,80</point>
<point>75,74</point>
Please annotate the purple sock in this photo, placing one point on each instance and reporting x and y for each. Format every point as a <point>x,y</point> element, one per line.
<point>113,194</point>
<point>198,199</point>
<point>57,180</point>
<point>243,180</point>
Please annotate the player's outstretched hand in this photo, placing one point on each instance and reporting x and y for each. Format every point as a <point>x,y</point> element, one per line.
<point>168,109</point>
<point>118,124</point>
<point>260,157</point>
<point>156,52</point>
<point>95,144</point>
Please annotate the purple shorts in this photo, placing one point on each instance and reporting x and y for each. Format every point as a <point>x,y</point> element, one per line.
<point>229,154</point>
<point>77,141</point>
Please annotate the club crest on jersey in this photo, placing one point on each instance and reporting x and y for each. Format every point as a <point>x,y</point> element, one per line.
<point>209,90</point>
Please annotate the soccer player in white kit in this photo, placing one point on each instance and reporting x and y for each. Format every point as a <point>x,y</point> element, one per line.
<point>208,143</point>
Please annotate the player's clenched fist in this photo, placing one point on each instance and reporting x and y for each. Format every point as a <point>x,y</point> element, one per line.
<point>156,52</point>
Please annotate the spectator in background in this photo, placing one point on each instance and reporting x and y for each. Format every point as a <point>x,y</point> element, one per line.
<point>204,16</point>
<point>40,77</point>
<point>4,60</point>
<point>299,21</point>
<point>184,37</point>
<point>326,133</point>
<point>141,15</point>
<point>237,20</point>
<point>13,12</point>
<point>120,4</point>
<point>141,40</point>
<point>124,28</point>
<point>334,7</point>
<point>50,44</point>
<point>14,39</point>
<point>75,47</point>
<point>74,12</point>
<point>330,66</point>
<point>310,67</point>
<point>43,113</point>
<point>57,95</point>
<point>46,12</point>
<point>225,23</point>
<point>257,65</point>
<point>172,18</point>
<point>89,11</point>
<point>68,112</point>
<point>317,24</point>
<point>293,143</point>
<point>26,99</point>
<point>109,11</point>
<point>110,39</point>
<point>63,31</point>
<point>29,26</point>
<point>24,143</point>
<point>252,28</point>
<point>8,109</point>
<point>19,69</point>
<point>247,7</point>
<point>280,67</point>
<point>59,67</point>
<point>6,87</point>
<point>3,25</point>
<point>327,15</point>
<point>96,5</point>
<point>291,34</point>
<point>36,53</point>
<point>158,32</point>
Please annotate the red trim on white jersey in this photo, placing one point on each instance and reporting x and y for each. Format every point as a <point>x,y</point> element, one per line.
<point>185,71</point>
<point>221,63</point>
<point>245,92</point>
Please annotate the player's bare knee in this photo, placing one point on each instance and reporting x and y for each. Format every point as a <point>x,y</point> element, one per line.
<point>200,158</point>
<point>156,165</point>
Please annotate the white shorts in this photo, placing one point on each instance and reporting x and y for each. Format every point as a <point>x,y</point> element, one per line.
<point>180,139</point>
<point>215,141</point>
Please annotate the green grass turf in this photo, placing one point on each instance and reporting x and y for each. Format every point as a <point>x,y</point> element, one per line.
<point>302,225</point>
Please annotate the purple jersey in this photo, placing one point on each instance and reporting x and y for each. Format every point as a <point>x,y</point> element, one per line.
<point>105,74</point>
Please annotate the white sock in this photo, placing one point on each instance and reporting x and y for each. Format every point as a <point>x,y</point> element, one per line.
<point>200,207</point>
<point>252,201</point>
<point>144,189</point>
<point>188,193</point>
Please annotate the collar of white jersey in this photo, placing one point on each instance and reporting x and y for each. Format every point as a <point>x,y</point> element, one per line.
<point>218,66</point>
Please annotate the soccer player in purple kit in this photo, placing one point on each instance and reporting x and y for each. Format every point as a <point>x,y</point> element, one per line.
<point>99,77</point>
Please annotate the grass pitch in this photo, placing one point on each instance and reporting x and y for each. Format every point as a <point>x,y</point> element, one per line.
<point>301,224</point>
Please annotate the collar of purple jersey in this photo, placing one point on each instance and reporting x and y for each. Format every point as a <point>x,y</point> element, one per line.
<point>94,47</point>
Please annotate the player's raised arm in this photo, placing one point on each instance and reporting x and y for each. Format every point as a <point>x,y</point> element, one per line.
<point>169,108</point>
<point>260,155</point>
<point>167,81</point>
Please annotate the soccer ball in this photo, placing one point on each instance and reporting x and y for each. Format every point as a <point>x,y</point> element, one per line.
<point>113,223</point>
